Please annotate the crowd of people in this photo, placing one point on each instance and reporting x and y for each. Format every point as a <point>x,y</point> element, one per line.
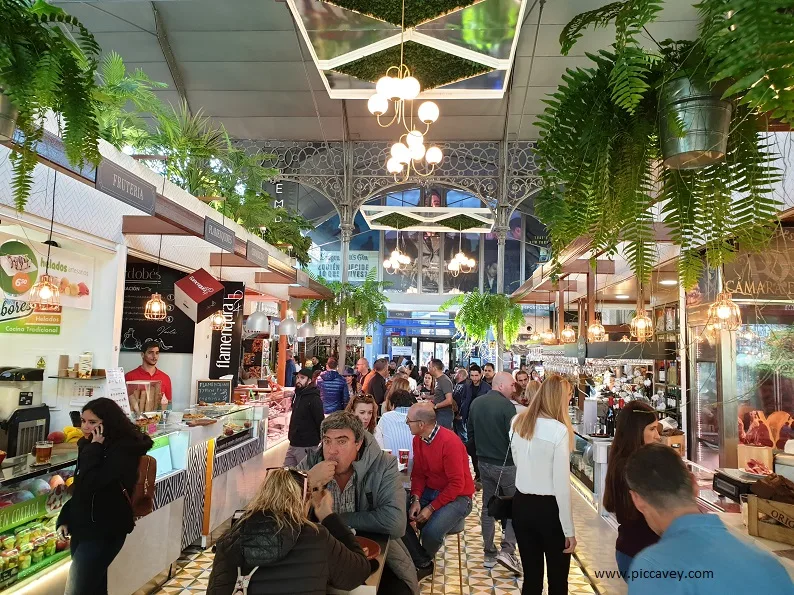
<point>510,436</point>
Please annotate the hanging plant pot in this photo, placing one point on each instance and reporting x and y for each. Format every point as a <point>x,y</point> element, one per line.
<point>8,118</point>
<point>694,123</point>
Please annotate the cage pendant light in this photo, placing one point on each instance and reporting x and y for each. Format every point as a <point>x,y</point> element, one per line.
<point>549,337</point>
<point>724,313</point>
<point>641,324</point>
<point>535,336</point>
<point>596,331</point>
<point>217,320</point>
<point>567,334</point>
<point>156,308</point>
<point>45,291</point>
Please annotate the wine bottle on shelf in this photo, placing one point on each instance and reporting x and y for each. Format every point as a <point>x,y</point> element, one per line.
<point>662,374</point>
<point>610,417</point>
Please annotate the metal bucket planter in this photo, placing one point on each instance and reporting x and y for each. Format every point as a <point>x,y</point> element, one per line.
<point>691,107</point>
<point>8,118</point>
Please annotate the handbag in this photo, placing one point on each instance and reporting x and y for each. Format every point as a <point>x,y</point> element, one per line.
<point>500,507</point>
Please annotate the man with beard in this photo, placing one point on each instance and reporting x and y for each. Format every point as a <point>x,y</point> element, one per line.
<point>488,372</point>
<point>307,415</point>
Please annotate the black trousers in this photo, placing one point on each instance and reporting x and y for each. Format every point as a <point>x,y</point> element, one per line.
<point>536,521</point>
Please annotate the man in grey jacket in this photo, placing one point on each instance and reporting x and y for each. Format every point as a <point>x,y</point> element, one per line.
<point>367,491</point>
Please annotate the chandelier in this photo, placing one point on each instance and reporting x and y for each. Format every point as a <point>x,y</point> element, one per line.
<point>399,87</point>
<point>724,313</point>
<point>641,326</point>
<point>397,258</point>
<point>461,263</point>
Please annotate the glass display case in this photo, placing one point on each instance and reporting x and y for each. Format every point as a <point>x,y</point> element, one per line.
<point>582,464</point>
<point>278,417</point>
<point>31,497</point>
<point>705,429</point>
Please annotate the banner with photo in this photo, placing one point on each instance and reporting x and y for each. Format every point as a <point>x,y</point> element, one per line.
<point>23,261</point>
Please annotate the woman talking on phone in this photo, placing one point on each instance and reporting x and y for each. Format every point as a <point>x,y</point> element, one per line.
<point>99,515</point>
<point>276,550</point>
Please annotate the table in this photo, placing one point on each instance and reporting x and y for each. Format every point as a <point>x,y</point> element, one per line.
<point>370,587</point>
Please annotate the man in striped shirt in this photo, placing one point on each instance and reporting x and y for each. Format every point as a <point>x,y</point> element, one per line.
<point>392,432</point>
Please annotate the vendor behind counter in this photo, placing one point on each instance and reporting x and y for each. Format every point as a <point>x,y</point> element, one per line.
<point>148,370</point>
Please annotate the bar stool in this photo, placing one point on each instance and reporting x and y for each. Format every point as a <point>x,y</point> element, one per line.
<point>456,531</point>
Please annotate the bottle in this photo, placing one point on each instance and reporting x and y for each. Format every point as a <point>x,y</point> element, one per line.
<point>610,417</point>
<point>662,374</point>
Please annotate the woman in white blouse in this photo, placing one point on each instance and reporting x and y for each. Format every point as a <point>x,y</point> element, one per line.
<point>542,438</point>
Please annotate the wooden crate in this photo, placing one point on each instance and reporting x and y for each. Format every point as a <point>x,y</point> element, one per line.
<point>782,513</point>
<point>676,442</point>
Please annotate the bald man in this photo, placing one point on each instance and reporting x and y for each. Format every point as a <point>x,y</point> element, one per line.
<point>489,427</point>
<point>441,485</point>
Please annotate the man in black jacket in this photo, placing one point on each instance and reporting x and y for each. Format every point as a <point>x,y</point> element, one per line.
<point>307,415</point>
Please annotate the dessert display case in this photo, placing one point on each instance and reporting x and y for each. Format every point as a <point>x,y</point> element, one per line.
<point>279,406</point>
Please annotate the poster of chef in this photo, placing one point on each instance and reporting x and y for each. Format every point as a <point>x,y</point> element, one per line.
<point>22,262</point>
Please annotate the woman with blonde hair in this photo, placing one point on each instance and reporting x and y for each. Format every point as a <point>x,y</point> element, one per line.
<point>279,551</point>
<point>533,386</point>
<point>398,385</point>
<point>541,442</point>
<point>365,408</point>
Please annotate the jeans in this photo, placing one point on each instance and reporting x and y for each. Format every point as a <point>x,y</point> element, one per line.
<point>489,475</point>
<point>624,562</point>
<point>90,561</point>
<point>441,522</point>
<point>295,454</point>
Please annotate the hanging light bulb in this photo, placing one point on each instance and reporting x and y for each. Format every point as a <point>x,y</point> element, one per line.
<point>568,335</point>
<point>414,138</point>
<point>387,264</point>
<point>156,308</point>
<point>410,88</point>
<point>596,332</point>
<point>217,321</point>
<point>417,152</point>
<point>725,313</point>
<point>378,105</point>
<point>400,153</point>
<point>625,339</point>
<point>386,87</point>
<point>433,155</point>
<point>394,166</point>
<point>45,292</point>
<point>641,326</point>
<point>534,337</point>
<point>548,336</point>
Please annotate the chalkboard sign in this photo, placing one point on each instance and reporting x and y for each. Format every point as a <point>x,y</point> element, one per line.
<point>213,391</point>
<point>175,333</point>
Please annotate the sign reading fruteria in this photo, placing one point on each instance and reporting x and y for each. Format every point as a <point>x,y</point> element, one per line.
<point>117,182</point>
<point>218,235</point>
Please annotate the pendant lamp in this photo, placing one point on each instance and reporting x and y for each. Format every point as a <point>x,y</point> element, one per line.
<point>45,292</point>
<point>156,308</point>
<point>596,331</point>
<point>288,326</point>
<point>217,320</point>
<point>724,313</point>
<point>306,330</point>
<point>257,322</point>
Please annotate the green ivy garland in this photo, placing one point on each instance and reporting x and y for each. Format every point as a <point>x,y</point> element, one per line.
<point>432,68</point>
<point>416,11</point>
<point>396,220</point>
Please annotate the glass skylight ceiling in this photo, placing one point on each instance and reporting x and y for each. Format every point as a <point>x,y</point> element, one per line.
<point>485,32</point>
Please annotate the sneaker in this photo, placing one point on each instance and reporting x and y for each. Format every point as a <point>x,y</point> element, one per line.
<point>424,571</point>
<point>490,562</point>
<point>510,562</point>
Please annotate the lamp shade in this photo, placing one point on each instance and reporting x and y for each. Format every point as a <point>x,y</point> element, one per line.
<point>257,322</point>
<point>306,330</point>
<point>156,308</point>
<point>288,327</point>
<point>596,332</point>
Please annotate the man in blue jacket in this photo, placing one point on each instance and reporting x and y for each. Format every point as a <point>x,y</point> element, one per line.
<point>333,388</point>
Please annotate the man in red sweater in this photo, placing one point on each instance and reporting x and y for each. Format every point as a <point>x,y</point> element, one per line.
<point>441,484</point>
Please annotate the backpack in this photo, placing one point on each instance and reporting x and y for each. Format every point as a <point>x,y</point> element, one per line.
<point>142,500</point>
<point>242,582</point>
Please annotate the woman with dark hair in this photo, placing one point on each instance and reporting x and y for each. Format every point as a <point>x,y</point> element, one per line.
<point>428,385</point>
<point>353,385</point>
<point>99,515</point>
<point>637,425</point>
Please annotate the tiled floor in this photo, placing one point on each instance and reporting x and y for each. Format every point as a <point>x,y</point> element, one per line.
<point>196,565</point>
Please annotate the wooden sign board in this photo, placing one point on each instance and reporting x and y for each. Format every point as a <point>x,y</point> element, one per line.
<point>213,391</point>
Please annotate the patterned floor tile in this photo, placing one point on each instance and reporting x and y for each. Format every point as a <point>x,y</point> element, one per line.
<point>195,565</point>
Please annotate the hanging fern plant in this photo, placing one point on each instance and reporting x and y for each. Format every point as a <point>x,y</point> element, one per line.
<point>600,149</point>
<point>361,305</point>
<point>481,312</point>
<point>48,60</point>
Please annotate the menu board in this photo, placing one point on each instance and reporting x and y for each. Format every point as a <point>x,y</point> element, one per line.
<point>175,332</point>
<point>213,391</point>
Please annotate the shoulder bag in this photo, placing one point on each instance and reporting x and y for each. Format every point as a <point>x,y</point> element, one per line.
<point>499,506</point>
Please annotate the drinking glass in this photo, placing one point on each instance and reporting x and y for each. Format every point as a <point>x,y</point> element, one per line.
<point>43,452</point>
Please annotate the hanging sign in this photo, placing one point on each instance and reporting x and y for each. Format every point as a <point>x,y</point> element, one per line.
<point>175,333</point>
<point>359,263</point>
<point>402,350</point>
<point>22,262</point>
<point>368,340</point>
<point>256,254</point>
<point>218,235</point>
<point>227,343</point>
<point>26,318</point>
<point>764,275</point>
<point>115,181</point>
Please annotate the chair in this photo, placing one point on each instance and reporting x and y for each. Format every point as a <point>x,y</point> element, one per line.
<point>456,531</point>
